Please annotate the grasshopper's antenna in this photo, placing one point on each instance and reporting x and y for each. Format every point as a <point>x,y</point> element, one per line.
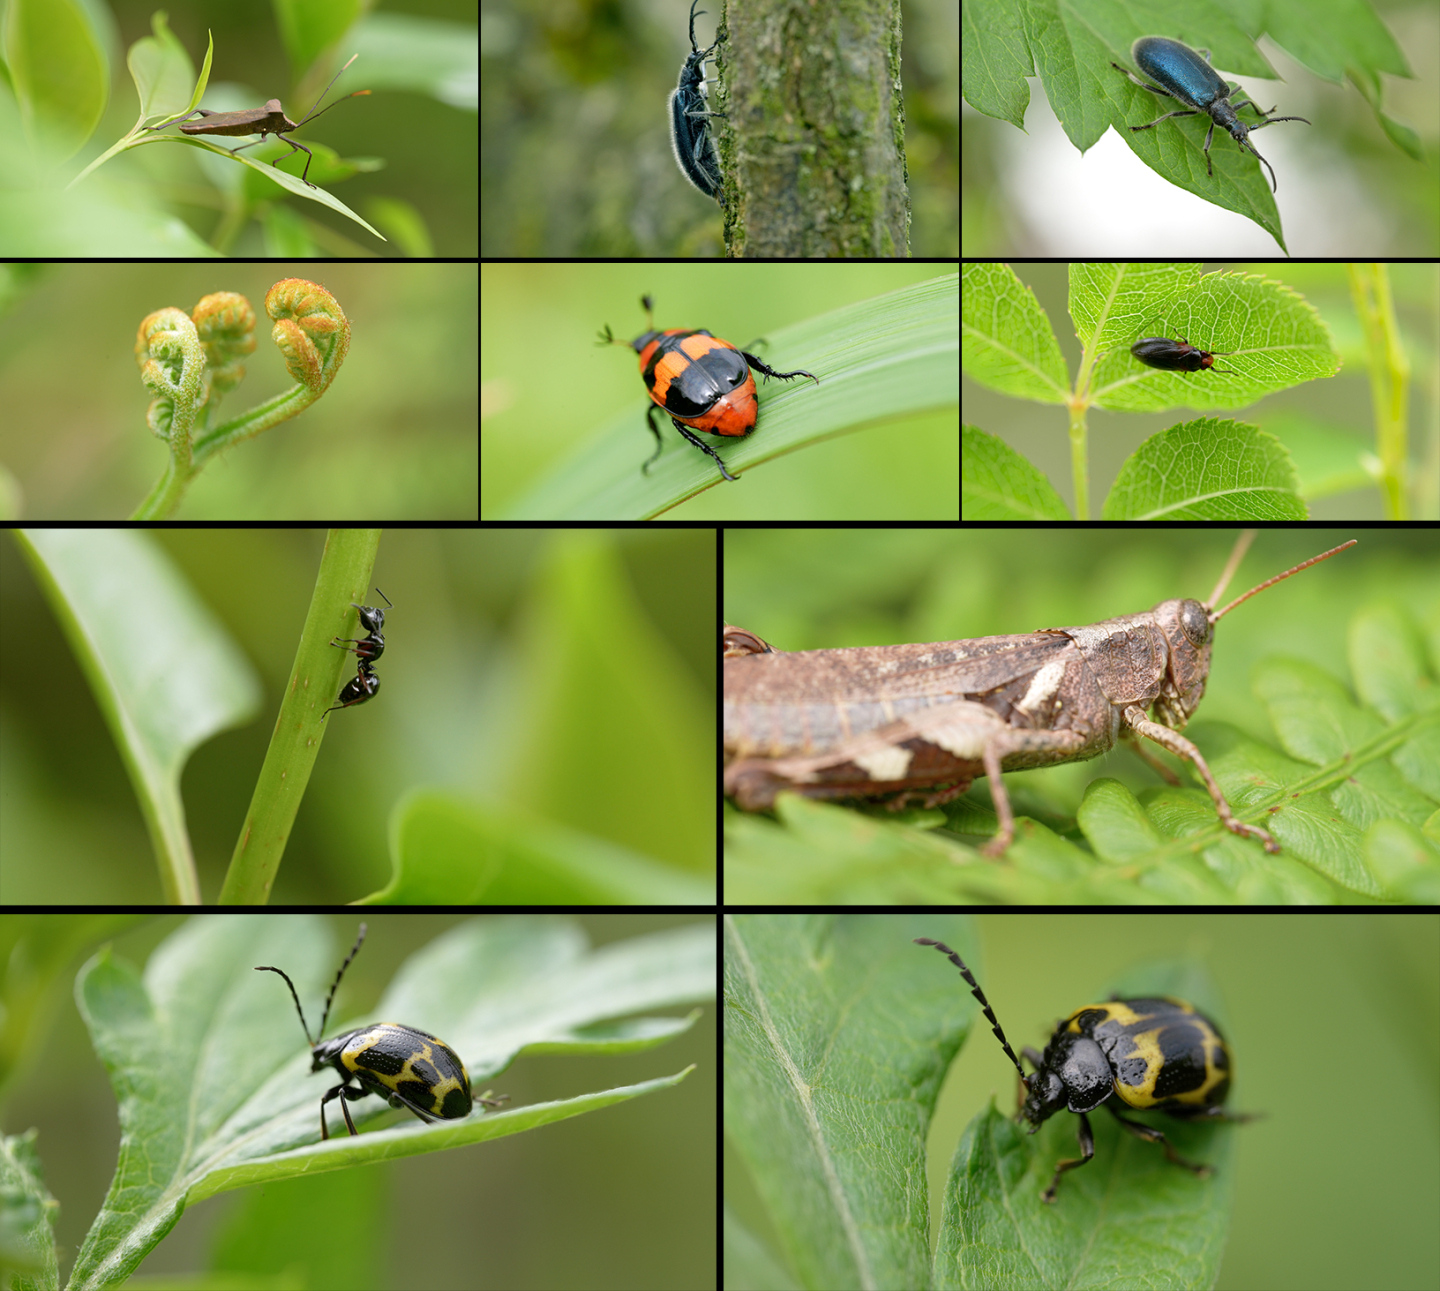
<point>1242,545</point>
<point>1270,582</point>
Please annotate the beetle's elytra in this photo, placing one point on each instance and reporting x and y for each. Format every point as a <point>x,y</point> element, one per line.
<point>1158,1054</point>
<point>407,1067</point>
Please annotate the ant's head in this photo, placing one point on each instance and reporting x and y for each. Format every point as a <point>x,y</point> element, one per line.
<point>372,618</point>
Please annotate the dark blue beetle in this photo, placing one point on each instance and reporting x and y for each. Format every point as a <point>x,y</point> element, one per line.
<point>1187,76</point>
<point>690,133</point>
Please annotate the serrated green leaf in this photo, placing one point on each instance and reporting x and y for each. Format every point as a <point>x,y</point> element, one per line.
<point>1268,335</point>
<point>998,484</point>
<point>1207,469</point>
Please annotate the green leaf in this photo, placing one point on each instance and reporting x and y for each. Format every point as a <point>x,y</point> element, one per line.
<point>1207,469</point>
<point>1176,148</point>
<point>165,672</point>
<point>1262,337</point>
<point>839,1033</point>
<point>1269,337</point>
<point>998,484</point>
<point>885,357</point>
<point>212,1075</point>
<point>836,1044</point>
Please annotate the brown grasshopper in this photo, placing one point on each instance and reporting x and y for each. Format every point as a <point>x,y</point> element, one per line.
<point>918,723</point>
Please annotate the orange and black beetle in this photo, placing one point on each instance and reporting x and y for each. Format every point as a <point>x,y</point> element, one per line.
<point>700,380</point>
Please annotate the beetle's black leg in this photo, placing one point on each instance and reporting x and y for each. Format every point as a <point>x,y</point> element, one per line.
<point>765,370</point>
<point>328,1095</point>
<point>703,447</point>
<point>1087,1149</point>
<point>1151,1135</point>
<point>654,430</point>
<point>1217,1114</point>
<point>1154,89</point>
<point>348,1095</point>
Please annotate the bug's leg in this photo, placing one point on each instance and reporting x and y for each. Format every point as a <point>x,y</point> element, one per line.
<point>295,145</point>
<point>1087,1149</point>
<point>1220,1114</point>
<point>1151,1135</point>
<point>201,112</point>
<point>703,447</point>
<point>1186,112</point>
<point>659,443</point>
<point>1154,89</point>
<point>348,1095</point>
<point>264,135</point>
<point>766,370</point>
<point>328,1095</point>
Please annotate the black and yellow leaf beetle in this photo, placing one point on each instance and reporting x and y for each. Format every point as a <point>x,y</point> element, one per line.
<point>410,1068</point>
<point>1158,1054</point>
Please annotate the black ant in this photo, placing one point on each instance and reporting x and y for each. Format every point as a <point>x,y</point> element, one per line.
<point>365,684</point>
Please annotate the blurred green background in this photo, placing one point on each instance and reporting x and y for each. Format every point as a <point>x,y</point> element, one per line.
<point>540,324</point>
<point>489,630</point>
<point>623,1197</point>
<point>393,436</point>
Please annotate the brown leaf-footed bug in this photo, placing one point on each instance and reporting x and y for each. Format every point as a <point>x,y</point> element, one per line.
<point>270,119</point>
<point>913,724</point>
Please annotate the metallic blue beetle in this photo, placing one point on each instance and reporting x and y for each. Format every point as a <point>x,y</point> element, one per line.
<point>1186,75</point>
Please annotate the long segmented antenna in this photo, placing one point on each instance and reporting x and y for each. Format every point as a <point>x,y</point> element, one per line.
<point>979,995</point>
<point>1270,582</point>
<point>325,1017</point>
<point>1231,565</point>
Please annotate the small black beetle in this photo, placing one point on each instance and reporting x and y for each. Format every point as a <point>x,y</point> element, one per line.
<point>1177,356</point>
<point>1151,1054</point>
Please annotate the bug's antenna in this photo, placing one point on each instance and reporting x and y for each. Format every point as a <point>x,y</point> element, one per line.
<point>1242,545</point>
<point>979,995</point>
<point>326,90</point>
<point>266,968</point>
<point>1270,582</point>
<point>354,950</point>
